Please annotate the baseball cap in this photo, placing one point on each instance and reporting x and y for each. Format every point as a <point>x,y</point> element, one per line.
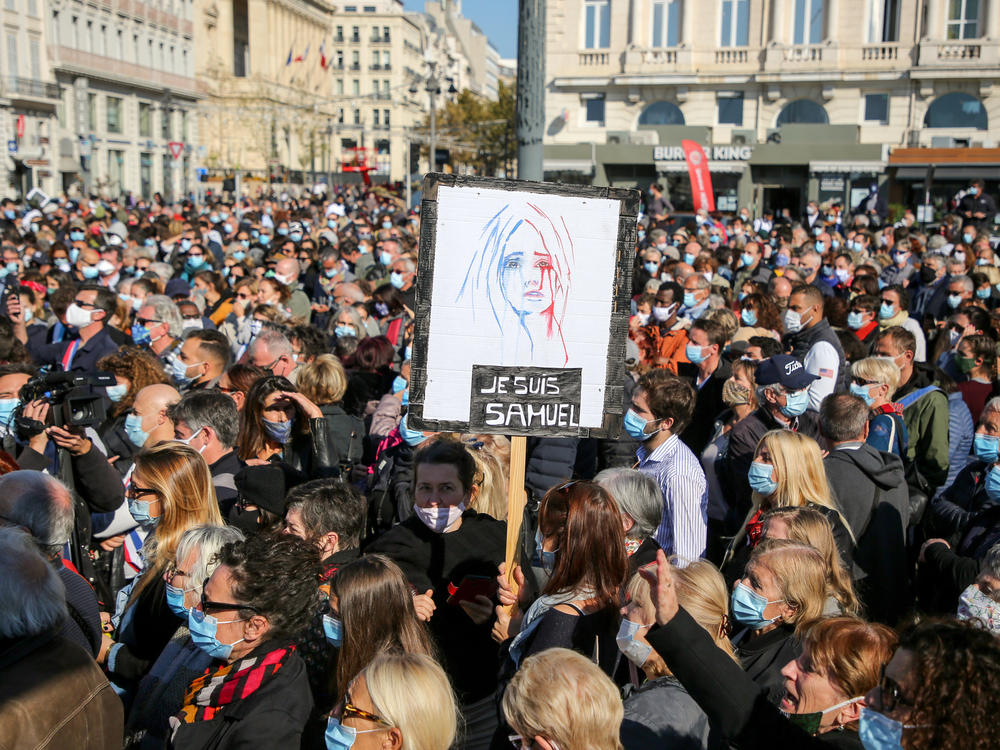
<point>785,370</point>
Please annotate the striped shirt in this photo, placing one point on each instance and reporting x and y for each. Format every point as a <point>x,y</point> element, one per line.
<point>684,525</point>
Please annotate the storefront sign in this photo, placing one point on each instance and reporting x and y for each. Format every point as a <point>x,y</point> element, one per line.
<point>832,184</point>
<point>714,153</point>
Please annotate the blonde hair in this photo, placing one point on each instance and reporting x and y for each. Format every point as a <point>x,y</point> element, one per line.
<point>799,573</point>
<point>492,455</point>
<point>809,526</point>
<point>566,698</point>
<point>877,370</point>
<point>412,693</point>
<point>322,381</point>
<point>182,482</point>
<point>701,590</point>
<point>726,319</point>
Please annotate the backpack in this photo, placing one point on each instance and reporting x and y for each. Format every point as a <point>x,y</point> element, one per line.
<point>919,488</point>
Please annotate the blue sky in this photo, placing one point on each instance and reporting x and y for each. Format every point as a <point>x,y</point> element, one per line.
<point>498,18</point>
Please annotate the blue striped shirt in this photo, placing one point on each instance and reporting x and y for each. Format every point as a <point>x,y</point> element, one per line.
<point>684,525</point>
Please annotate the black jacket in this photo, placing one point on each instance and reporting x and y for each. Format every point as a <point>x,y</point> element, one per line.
<point>735,705</point>
<point>951,512</point>
<point>707,406</point>
<point>310,452</point>
<point>271,718</point>
<point>764,656</point>
<point>800,343</point>
<point>550,462</point>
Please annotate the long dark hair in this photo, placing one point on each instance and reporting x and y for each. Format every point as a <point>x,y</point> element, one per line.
<point>375,605</point>
<point>588,525</point>
<point>252,439</point>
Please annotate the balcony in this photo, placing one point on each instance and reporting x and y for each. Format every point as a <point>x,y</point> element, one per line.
<point>355,66</point>
<point>339,39</point>
<point>800,58</point>
<point>379,39</point>
<point>654,61</point>
<point>375,66</point>
<point>958,53</point>
<point>15,87</point>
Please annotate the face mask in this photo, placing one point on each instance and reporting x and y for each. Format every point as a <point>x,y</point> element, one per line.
<point>282,231</point>
<point>760,480</point>
<point>330,273</point>
<point>965,364</point>
<point>635,426</point>
<point>635,651</point>
<point>214,218</point>
<point>696,354</point>
<point>643,318</point>
<point>886,311</point>
<point>149,242</point>
<point>795,403</point>
<point>140,335</point>
<point>105,268</point>
<point>179,371</point>
<point>185,244</point>
<point>689,258</point>
<point>227,228</point>
<point>546,559</point>
<point>117,392</point>
<point>63,265</point>
<point>954,300</point>
<point>986,447</point>
<point>967,238</point>
<point>396,279</point>
<point>855,320</point>
<point>295,236</point>
<point>399,384</point>
<point>983,293</point>
<point>339,737</point>
<point>651,267</point>
<point>973,604</point>
<point>439,519</point>
<point>820,247</point>
<point>333,629</point>
<point>748,316</point>
<point>835,244</point>
<point>928,274</point>
<point>385,258</point>
<point>746,259</point>
<point>413,438</point>
<point>748,607</point>
<point>7,407</point>
<point>689,300</point>
<point>77,317</point>
<point>794,322</point>
<point>781,261</point>
<point>993,484</point>
<point>195,262</point>
<point>203,630</point>
<point>878,732</point>
<point>842,275</point>
<point>264,239</point>
<point>810,722</point>
<point>279,432</point>
<point>341,331</point>
<point>863,392</point>
<point>10,215</point>
<point>74,253</point>
<point>133,428</point>
<point>663,314</point>
<point>89,272</point>
<point>28,315</point>
<point>175,600</point>
<point>140,512</point>
<point>76,236</point>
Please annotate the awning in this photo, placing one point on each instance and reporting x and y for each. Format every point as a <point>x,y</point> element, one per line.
<point>715,167</point>
<point>949,173</point>
<point>568,165</point>
<point>864,167</point>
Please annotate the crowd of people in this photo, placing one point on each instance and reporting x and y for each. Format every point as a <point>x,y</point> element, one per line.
<point>219,530</point>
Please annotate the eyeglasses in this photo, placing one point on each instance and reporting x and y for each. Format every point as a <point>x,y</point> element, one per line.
<point>890,693</point>
<point>865,383</point>
<point>209,606</point>
<point>135,491</point>
<point>172,572</point>
<point>79,303</point>
<point>348,710</point>
<point>147,321</point>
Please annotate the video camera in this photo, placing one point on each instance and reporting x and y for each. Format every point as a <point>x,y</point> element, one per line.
<point>71,397</point>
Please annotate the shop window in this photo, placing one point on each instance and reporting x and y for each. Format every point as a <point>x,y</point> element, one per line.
<point>731,109</point>
<point>597,24</point>
<point>662,113</point>
<point>877,108</point>
<point>956,110</point>
<point>667,23</point>
<point>802,111</point>
<point>594,108</point>
<point>808,23</point>
<point>963,19</point>
<point>735,23</point>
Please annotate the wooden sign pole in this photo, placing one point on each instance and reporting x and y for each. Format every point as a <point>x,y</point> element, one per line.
<point>516,500</point>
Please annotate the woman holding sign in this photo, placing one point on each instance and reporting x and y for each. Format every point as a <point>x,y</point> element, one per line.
<point>449,554</point>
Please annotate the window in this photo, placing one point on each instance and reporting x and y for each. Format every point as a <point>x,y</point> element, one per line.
<point>184,125</point>
<point>340,86</point>
<point>385,89</point>
<point>115,161</point>
<point>340,34</point>
<point>963,19</point>
<point>145,120</point>
<point>385,59</point>
<point>662,113</point>
<point>385,33</point>
<point>92,112</point>
<point>883,21</point>
<point>34,58</point>
<point>802,111</point>
<point>369,9</point>
<point>375,60</point>
<point>355,60</point>
<point>956,110</point>
<point>146,174</point>
<point>356,87</point>
<point>12,59</point>
<point>33,8</point>
<point>166,125</point>
<point>735,23</point>
<point>808,26</point>
<point>375,118</point>
<point>594,108</point>
<point>597,24</point>
<point>666,23</point>
<point>355,32</point>
<point>113,114</point>
<point>357,117</point>
<point>10,4</point>
<point>385,117</point>
<point>340,116</point>
<point>731,109</point>
<point>877,108</point>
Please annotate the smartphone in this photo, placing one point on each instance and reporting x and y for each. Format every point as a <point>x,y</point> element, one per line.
<point>472,587</point>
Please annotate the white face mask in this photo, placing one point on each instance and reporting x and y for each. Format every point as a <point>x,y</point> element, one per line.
<point>77,317</point>
<point>441,518</point>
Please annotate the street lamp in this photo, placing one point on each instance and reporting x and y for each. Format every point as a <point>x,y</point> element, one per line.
<point>433,88</point>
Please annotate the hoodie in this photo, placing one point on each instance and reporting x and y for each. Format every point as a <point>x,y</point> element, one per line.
<point>871,490</point>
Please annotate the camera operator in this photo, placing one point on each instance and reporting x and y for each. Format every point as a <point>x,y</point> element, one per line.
<point>89,314</point>
<point>12,378</point>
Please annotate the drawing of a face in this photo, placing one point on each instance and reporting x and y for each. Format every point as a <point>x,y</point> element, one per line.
<point>528,273</point>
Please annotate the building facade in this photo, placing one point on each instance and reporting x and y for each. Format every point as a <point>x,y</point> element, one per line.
<point>793,99</point>
<point>125,116</point>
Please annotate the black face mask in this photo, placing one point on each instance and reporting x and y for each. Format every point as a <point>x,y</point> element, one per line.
<point>247,521</point>
<point>927,274</point>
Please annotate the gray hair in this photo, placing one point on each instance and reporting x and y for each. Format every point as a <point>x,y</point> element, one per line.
<point>275,341</point>
<point>991,562</point>
<point>166,311</point>
<point>964,280</point>
<point>32,596</point>
<point>703,283</point>
<point>992,405</point>
<point>211,408</point>
<point>356,320</point>
<point>164,270</point>
<point>208,540</point>
<point>40,503</point>
<point>637,495</point>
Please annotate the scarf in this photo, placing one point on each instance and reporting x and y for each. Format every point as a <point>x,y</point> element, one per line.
<point>214,690</point>
<point>896,320</point>
<point>534,615</point>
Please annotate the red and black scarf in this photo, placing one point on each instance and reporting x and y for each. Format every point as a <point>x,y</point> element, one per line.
<point>218,687</point>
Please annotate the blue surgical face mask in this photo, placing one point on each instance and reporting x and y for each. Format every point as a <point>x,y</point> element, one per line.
<point>196,262</point>
<point>330,272</point>
<point>385,258</point>
<point>886,311</point>
<point>149,242</point>
<point>546,559</point>
<point>968,237</point>
<point>695,354</point>
<point>863,392</point>
<point>748,607</point>
<point>635,651</point>
<point>89,272</point>
<point>282,231</point>
<point>983,292</point>
<point>10,215</point>
<point>295,236</point>
<point>635,426</point>
<point>986,447</point>
<point>878,732</point>
<point>76,236</point>
<point>339,737</point>
<point>116,392</point>
<point>396,279</point>
<point>333,629</point>
<point>413,438</point>
<point>264,239</point>
<point>133,428</point>
<point>796,403</point>
<point>279,432</point>
<point>651,267</point>
<point>7,407</point>
<point>331,224</point>
<point>748,316</point>
<point>747,259</point>
<point>179,371</point>
<point>689,300</point>
<point>993,483</point>
<point>227,228</point>
<point>689,258</point>
<point>855,320</point>
<point>399,384</point>
<point>140,512</point>
<point>781,261</point>
<point>203,629</point>
<point>74,253</point>
<point>760,479</point>
<point>341,331</point>
<point>185,244</point>
<point>820,246</point>
<point>175,600</point>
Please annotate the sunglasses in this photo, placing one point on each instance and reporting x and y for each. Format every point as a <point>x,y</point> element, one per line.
<point>207,605</point>
<point>890,693</point>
